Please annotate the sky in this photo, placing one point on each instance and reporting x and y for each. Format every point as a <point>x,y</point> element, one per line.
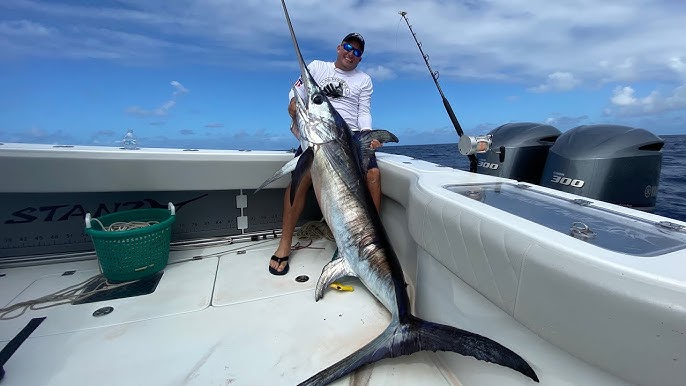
<point>216,74</point>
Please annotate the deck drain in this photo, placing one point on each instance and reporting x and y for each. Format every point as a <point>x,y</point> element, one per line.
<point>302,278</point>
<point>103,311</point>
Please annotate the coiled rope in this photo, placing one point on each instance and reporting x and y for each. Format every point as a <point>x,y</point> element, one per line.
<point>125,226</point>
<point>71,294</point>
<point>314,230</point>
<point>64,296</point>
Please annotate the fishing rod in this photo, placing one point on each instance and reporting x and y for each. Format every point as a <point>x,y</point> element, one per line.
<point>434,76</point>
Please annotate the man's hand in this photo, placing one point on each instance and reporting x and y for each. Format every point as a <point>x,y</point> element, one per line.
<point>375,144</point>
<point>333,91</point>
<point>294,124</point>
<point>291,108</point>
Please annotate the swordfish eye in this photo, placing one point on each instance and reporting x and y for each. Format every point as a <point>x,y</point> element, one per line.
<point>318,99</point>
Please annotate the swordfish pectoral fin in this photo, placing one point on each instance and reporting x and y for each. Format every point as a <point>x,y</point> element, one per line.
<point>287,168</point>
<point>366,138</point>
<point>298,166</point>
<point>332,271</point>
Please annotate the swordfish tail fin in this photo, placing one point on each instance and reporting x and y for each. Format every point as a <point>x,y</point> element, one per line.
<point>418,335</point>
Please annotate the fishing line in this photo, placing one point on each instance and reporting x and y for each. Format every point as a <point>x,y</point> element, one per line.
<point>397,33</point>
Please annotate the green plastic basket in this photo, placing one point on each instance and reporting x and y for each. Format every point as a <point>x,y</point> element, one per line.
<point>136,253</point>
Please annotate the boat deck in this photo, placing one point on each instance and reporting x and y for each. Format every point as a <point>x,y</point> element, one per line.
<point>217,317</point>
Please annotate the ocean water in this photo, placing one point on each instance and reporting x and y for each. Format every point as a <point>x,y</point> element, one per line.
<point>671,194</point>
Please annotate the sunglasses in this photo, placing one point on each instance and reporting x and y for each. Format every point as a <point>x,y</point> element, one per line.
<point>348,47</point>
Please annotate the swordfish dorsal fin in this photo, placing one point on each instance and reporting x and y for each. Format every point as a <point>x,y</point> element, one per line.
<point>366,138</point>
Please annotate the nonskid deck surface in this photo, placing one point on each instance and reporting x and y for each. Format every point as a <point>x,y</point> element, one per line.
<point>216,320</point>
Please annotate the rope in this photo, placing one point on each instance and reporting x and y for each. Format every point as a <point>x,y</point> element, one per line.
<point>310,231</point>
<point>125,226</point>
<point>63,296</point>
<point>315,230</point>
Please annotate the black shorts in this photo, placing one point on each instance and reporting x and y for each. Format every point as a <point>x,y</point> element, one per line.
<point>356,135</point>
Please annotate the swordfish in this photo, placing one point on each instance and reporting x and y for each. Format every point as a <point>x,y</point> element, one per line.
<point>337,163</point>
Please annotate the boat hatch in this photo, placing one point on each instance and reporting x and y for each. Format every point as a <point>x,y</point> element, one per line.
<point>581,219</point>
<point>101,290</point>
<point>185,287</point>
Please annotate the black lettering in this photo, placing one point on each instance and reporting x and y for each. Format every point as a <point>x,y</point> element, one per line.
<point>27,218</point>
<point>155,204</point>
<point>52,210</point>
<point>134,204</point>
<point>102,209</point>
<point>77,210</point>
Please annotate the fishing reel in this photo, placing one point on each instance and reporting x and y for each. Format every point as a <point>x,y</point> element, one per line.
<point>471,145</point>
<point>480,144</point>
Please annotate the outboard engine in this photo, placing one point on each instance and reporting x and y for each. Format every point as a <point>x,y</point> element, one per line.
<point>612,163</point>
<point>513,150</point>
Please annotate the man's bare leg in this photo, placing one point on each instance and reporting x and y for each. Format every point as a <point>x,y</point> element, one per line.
<point>374,185</point>
<point>291,214</point>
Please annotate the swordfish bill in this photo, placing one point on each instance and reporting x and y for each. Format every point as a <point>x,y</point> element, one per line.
<point>337,168</point>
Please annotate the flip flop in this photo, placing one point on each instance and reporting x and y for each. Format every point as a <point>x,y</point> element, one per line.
<point>279,260</point>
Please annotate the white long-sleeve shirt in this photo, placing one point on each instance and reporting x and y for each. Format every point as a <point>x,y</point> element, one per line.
<point>356,86</point>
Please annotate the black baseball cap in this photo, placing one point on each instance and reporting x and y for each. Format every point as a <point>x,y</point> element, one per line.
<point>357,37</point>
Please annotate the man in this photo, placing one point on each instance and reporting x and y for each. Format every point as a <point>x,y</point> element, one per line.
<point>349,90</point>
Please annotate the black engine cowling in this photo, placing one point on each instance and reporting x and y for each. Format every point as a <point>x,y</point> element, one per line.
<point>612,163</point>
<point>518,151</point>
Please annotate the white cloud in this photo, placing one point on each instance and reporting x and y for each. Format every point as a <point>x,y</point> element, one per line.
<point>612,41</point>
<point>23,28</point>
<point>625,102</point>
<point>164,109</point>
<point>621,71</point>
<point>380,73</point>
<point>563,122</point>
<point>179,88</point>
<point>678,65</point>
<point>540,45</point>
<point>557,81</point>
<point>623,96</point>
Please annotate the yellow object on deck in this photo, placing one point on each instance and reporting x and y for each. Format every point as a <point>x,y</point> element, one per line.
<point>341,287</point>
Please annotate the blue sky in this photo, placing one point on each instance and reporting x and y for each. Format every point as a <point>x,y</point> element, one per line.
<point>216,74</point>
